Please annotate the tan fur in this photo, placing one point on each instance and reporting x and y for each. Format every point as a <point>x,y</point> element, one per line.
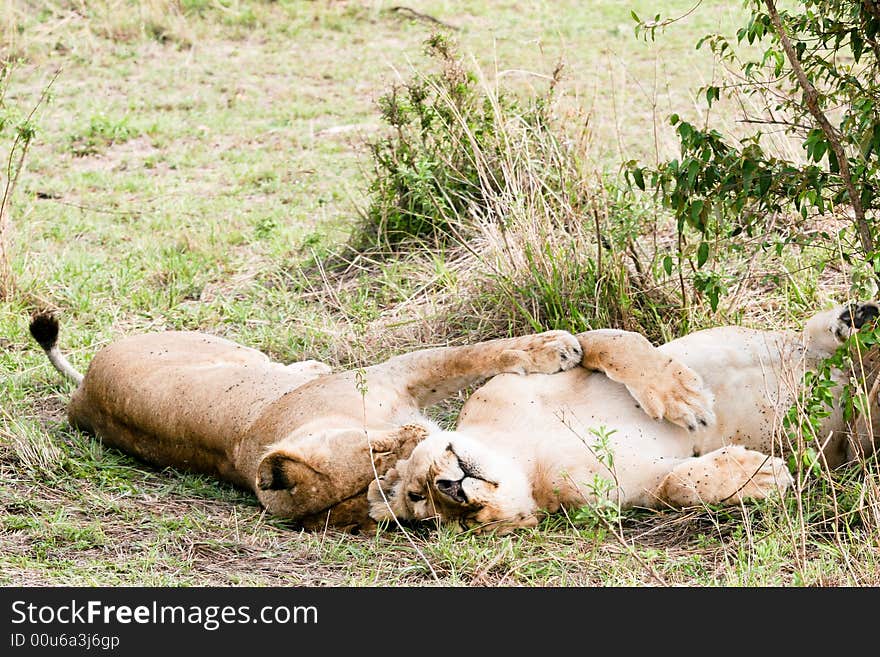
<point>306,441</point>
<point>532,445</point>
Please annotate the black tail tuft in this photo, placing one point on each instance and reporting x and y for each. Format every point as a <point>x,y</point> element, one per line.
<point>44,328</point>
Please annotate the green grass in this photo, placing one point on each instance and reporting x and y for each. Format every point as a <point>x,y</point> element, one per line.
<point>188,164</point>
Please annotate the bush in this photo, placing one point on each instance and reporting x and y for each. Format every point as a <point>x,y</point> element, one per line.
<point>501,220</point>
<point>816,80</point>
<point>444,156</point>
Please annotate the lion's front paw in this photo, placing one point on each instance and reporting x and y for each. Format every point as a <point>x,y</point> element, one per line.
<point>544,353</point>
<point>676,393</point>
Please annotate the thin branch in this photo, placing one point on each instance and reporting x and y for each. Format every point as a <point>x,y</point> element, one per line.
<point>12,178</point>
<point>684,298</point>
<point>669,21</point>
<point>122,213</point>
<point>14,165</point>
<point>773,122</point>
<point>811,98</point>
<point>417,15</point>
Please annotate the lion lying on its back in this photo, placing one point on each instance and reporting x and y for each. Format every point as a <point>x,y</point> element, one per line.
<point>524,446</point>
<point>319,447</point>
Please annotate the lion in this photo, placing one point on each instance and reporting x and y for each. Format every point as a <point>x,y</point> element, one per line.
<point>524,447</point>
<point>305,440</point>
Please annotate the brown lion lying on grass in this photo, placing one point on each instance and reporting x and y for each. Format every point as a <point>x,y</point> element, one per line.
<point>306,441</point>
<point>525,446</point>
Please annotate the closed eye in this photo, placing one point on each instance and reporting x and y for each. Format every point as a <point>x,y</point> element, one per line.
<point>415,497</point>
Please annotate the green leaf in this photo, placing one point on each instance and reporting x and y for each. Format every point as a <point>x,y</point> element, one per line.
<point>639,178</point>
<point>764,182</point>
<point>667,265</point>
<point>693,170</point>
<point>875,140</point>
<point>749,168</point>
<point>857,44</point>
<point>695,216</point>
<point>833,164</point>
<point>702,254</point>
<point>712,94</point>
<point>713,293</point>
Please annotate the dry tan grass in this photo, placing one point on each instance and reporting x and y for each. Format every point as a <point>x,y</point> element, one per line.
<point>78,26</point>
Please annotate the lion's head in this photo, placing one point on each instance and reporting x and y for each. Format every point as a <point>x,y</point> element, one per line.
<point>318,468</point>
<point>454,478</point>
<point>829,329</point>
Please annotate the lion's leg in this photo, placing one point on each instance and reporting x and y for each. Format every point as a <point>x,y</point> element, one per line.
<point>431,375</point>
<point>308,367</point>
<point>354,414</point>
<point>663,386</point>
<point>725,476</point>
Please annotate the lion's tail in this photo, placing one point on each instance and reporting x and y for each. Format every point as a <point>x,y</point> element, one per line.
<point>44,327</point>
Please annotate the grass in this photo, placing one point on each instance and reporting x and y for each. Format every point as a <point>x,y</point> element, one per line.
<point>195,156</point>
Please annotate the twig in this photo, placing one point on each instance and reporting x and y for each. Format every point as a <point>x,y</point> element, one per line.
<point>684,300</point>
<point>21,144</point>
<point>598,225</point>
<point>417,15</point>
<point>124,213</point>
<point>409,539</point>
<point>619,537</point>
<point>773,122</point>
<point>669,21</point>
<point>617,532</point>
<point>12,178</point>
<point>811,98</point>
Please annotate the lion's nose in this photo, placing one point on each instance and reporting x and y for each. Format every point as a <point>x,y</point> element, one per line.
<point>451,489</point>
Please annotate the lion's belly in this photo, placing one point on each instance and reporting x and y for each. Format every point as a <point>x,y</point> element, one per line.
<point>753,375</point>
<point>567,428</point>
<point>179,399</point>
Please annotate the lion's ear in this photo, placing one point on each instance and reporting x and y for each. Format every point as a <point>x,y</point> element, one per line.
<point>280,470</point>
